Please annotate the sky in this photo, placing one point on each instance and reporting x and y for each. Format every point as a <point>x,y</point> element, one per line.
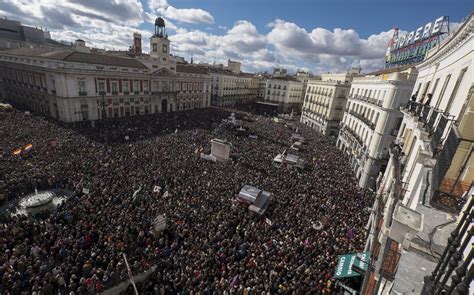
<point>312,35</point>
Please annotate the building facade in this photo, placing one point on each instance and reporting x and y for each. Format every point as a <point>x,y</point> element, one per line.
<point>305,77</point>
<point>261,81</point>
<point>229,89</point>
<point>429,177</point>
<point>286,92</point>
<point>77,85</point>
<point>15,35</point>
<point>371,120</point>
<point>324,103</point>
<point>234,66</point>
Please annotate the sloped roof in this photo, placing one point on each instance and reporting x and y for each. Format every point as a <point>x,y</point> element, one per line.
<point>69,55</point>
<point>183,68</point>
<point>104,59</point>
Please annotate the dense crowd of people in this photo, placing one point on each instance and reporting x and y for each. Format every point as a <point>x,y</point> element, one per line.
<point>211,245</point>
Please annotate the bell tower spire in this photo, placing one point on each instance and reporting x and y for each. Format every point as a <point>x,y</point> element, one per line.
<point>160,47</point>
<point>159,42</point>
<point>160,28</point>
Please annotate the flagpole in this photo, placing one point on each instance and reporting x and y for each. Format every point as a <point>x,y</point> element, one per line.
<point>130,274</point>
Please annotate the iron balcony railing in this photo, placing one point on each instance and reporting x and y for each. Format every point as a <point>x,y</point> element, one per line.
<point>454,272</point>
<point>367,99</point>
<point>363,119</point>
<point>434,120</point>
<point>353,135</point>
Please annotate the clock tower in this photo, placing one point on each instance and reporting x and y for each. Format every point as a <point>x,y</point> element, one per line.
<point>159,43</point>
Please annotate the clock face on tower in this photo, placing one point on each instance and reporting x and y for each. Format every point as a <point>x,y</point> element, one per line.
<point>165,48</point>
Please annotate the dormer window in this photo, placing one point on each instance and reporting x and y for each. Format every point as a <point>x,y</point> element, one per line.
<point>155,47</point>
<point>165,48</point>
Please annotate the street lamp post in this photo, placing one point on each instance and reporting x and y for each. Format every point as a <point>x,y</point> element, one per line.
<point>103,105</point>
<point>79,112</point>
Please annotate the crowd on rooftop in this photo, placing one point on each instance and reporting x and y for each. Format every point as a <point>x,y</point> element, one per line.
<point>211,245</point>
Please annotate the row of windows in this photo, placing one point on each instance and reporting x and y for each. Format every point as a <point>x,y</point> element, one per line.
<point>30,78</point>
<point>123,86</point>
<point>320,90</point>
<point>370,114</point>
<point>437,97</point>
<point>320,111</point>
<point>361,131</point>
<point>275,86</point>
<point>316,98</point>
<point>137,100</point>
<point>369,93</point>
<point>31,100</point>
<point>277,93</point>
<point>278,87</point>
<point>231,80</point>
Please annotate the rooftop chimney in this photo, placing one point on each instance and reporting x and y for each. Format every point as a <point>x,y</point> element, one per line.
<point>137,43</point>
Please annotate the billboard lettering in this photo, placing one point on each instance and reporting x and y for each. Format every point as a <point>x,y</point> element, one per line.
<point>411,48</point>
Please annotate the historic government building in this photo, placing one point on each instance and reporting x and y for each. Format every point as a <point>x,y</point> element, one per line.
<point>78,84</point>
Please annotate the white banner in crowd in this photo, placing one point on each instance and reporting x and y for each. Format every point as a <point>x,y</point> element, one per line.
<point>85,191</point>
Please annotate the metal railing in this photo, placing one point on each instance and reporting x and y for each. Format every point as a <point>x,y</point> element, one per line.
<point>454,266</point>
<point>432,120</point>
<point>363,119</point>
<point>353,136</point>
<point>367,99</point>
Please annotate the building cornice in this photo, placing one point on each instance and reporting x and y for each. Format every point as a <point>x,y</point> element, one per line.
<point>387,82</point>
<point>328,83</point>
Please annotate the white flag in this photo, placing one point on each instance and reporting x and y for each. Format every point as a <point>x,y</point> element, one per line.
<point>136,193</point>
<point>130,275</point>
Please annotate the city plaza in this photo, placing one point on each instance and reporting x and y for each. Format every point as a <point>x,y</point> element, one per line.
<point>143,182</point>
<point>211,241</point>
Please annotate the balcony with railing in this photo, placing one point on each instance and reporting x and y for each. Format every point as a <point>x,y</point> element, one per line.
<point>371,100</point>
<point>445,194</point>
<point>454,271</point>
<point>362,118</point>
<point>434,121</point>
<point>352,136</point>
